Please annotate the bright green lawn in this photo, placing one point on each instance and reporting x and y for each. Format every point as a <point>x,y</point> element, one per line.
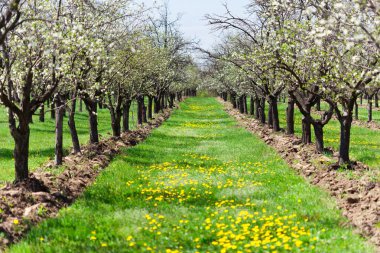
<point>42,139</point>
<point>365,143</point>
<point>199,183</point>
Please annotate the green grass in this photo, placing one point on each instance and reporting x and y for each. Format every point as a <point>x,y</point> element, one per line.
<point>365,143</point>
<point>42,139</point>
<point>362,112</point>
<point>199,183</point>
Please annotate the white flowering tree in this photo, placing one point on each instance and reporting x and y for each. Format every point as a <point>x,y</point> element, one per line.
<point>33,67</point>
<point>317,49</point>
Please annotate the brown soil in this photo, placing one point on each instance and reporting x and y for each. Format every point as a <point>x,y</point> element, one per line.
<point>371,125</point>
<point>25,204</point>
<point>357,194</point>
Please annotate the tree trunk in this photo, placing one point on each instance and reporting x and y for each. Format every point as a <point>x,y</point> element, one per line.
<point>59,107</point>
<point>92,109</point>
<point>257,108</point>
<point>306,131</point>
<point>224,96</point>
<point>318,131</point>
<point>116,124</point>
<point>72,126</point>
<point>262,110</point>
<point>245,104</point>
<point>165,101</point>
<point>345,135</point>
<point>42,113</point>
<point>270,115</point>
<point>369,106</point>
<point>241,104</point>
<point>377,100</point>
<point>171,100</point>
<point>233,100</point>
<point>275,117</point>
<point>140,101</point>
<point>150,107</point>
<point>356,110</point>
<point>21,150</point>
<point>144,113</point>
<point>157,104</point>
<point>52,110</point>
<point>361,99</point>
<point>290,116</point>
<point>162,105</point>
<point>252,107</point>
<point>126,109</point>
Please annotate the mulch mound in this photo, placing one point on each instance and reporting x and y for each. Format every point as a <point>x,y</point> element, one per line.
<point>44,194</point>
<point>373,125</point>
<point>358,195</point>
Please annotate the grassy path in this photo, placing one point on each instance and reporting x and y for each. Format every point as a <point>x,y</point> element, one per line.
<point>198,184</point>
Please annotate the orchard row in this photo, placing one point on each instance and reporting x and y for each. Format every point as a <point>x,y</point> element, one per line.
<point>311,52</point>
<point>99,52</point>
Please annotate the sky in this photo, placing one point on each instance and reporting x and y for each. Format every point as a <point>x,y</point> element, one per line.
<point>192,16</point>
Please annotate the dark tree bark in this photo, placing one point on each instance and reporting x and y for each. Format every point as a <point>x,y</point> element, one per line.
<point>116,112</point>
<point>377,100</point>
<point>306,131</point>
<point>92,108</point>
<point>241,104</point>
<point>224,96</point>
<point>166,101</point>
<point>116,124</point>
<point>345,120</point>
<point>257,108</point>
<point>270,115</point>
<point>52,110</point>
<point>290,116</point>
<point>345,137</point>
<point>59,107</point>
<point>162,105</point>
<point>21,135</point>
<point>318,104</point>
<point>72,125</point>
<point>144,113</point>
<point>157,104</point>
<point>150,107</point>
<point>262,111</point>
<point>369,107</point>
<point>140,105</point>
<point>233,100</point>
<point>252,106</point>
<point>42,113</point>
<point>126,108</point>
<point>275,117</point>
<point>245,104</point>
<point>179,96</point>
<point>171,100</point>
<point>356,110</point>
<point>318,131</point>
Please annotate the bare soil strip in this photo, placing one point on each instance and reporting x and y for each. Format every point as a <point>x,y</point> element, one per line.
<point>44,194</point>
<point>357,193</point>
